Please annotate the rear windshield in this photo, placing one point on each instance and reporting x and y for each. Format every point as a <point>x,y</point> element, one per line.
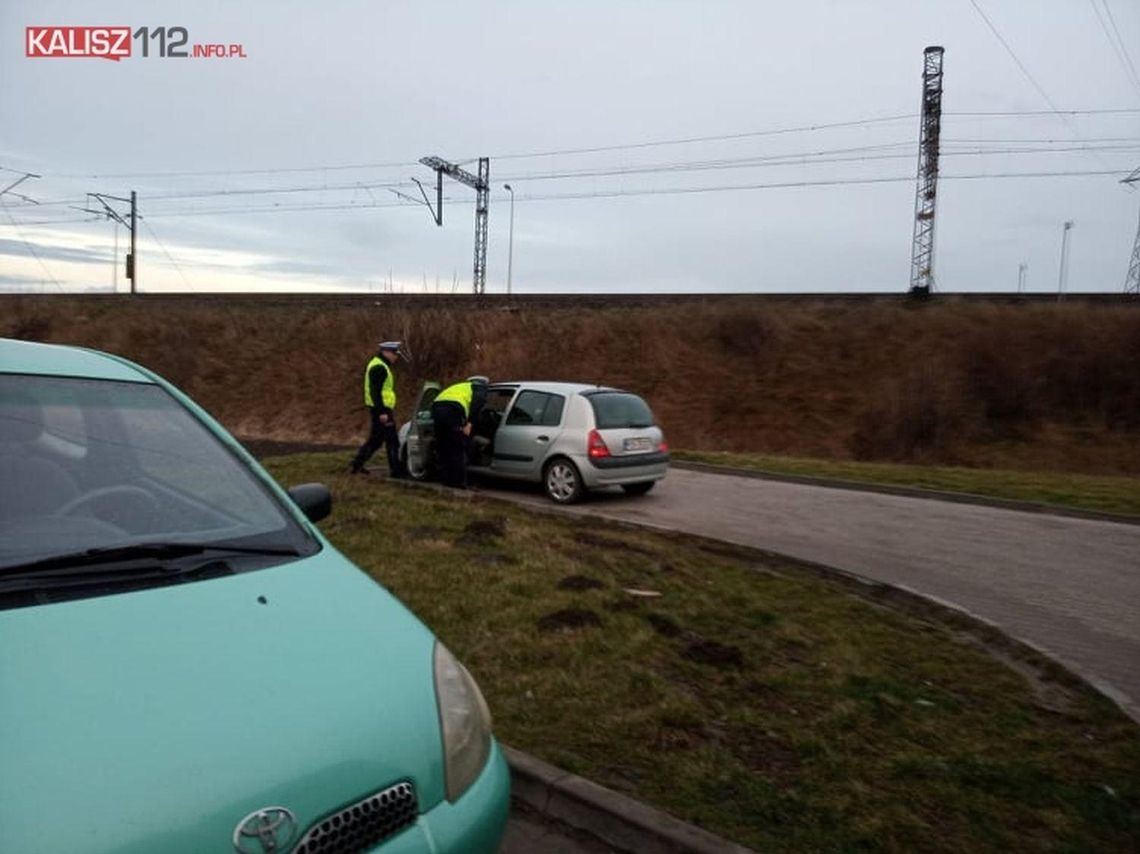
<point>620,409</point>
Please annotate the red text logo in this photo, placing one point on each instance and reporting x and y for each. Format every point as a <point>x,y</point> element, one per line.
<point>112,43</point>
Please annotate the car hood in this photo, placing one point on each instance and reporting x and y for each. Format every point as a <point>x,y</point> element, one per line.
<point>157,720</point>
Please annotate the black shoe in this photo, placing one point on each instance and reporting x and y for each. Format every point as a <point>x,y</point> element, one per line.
<point>358,470</point>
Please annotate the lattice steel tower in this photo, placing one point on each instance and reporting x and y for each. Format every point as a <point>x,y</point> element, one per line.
<point>922,252</point>
<point>1132,280</point>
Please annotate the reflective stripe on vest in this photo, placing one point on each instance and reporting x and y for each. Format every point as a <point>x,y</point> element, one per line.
<point>387,391</point>
<point>460,393</point>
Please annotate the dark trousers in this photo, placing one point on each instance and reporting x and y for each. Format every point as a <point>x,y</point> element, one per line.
<point>450,443</point>
<point>380,434</point>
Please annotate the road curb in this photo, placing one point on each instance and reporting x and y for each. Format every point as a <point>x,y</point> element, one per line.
<point>910,492</point>
<point>613,818</point>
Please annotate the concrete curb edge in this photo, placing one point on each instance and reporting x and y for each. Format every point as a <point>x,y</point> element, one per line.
<point>611,817</point>
<point>910,492</point>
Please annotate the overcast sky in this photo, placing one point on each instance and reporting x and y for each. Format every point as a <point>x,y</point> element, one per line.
<point>336,102</point>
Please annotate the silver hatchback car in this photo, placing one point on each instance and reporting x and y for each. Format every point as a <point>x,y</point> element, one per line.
<point>570,437</point>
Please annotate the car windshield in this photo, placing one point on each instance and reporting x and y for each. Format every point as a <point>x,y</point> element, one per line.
<point>93,464</point>
<point>616,409</point>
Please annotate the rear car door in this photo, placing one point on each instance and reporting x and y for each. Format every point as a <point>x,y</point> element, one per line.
<point>527,433</point>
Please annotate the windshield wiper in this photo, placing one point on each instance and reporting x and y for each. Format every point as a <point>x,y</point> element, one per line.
<point>149,552</point>
<point>130,575</point>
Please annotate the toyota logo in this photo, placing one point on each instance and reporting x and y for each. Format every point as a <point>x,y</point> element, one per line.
<point>265,831</point>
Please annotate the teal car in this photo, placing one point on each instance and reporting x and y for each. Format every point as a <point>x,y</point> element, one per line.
<point>187,664</point>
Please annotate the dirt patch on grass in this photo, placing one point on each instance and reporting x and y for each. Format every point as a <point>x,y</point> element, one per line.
<point>568,619</point>
<point>764,754</point>
<point>482,532</point>
<point>714,653</point>
<point>423,532</point>
<point>664,626</point>
<point>579,582</point>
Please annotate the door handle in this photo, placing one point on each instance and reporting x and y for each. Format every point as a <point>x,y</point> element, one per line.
<point>542,439</point>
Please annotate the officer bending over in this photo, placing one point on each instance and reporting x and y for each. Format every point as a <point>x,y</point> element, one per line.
<point>454,410</point>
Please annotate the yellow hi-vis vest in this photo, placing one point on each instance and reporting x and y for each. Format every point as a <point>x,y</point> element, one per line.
<point>387,391</point>
<point>460,393</point>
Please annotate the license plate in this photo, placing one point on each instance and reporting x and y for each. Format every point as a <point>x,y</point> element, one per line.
<point>637,444</point>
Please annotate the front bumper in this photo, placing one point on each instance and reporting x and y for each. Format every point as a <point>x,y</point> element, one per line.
<point>475,823</point>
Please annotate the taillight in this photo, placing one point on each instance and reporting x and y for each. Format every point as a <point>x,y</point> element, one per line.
<point>596,446</point>
<point>663,447</point>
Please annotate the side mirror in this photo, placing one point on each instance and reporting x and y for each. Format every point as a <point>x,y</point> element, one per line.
<point>314,499</point>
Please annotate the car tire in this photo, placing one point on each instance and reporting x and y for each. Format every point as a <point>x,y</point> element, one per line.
<point>638,488</point>
<point>562,482</point>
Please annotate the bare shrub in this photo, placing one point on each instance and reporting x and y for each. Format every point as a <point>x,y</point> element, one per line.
<point>1003,384</point>
<point>28,326</point>
<point>921,415</point>
<point>747,335</point>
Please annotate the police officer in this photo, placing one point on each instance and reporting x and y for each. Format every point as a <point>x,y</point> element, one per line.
<point>380,398</point>
<point>452,413</point>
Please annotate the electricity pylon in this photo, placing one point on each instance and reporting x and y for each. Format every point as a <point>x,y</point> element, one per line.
<point>1132,280</point>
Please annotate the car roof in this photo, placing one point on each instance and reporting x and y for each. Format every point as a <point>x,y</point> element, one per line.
<point>28,357</point>
<point>553,387</point>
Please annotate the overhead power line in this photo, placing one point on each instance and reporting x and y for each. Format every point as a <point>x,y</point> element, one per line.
<point>957,148</point>
<point>28,244</point>
<point>169,257</point>
<point>401,164</point>
<point>1025,71</point>
<point>1117,43</point>
<point>601,194</point>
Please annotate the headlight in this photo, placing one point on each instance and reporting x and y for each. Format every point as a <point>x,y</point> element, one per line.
<point>464,722</point>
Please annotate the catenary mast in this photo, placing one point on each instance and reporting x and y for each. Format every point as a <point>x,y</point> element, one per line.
<point>922,252</point>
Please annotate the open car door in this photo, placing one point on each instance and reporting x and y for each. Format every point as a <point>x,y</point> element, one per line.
<point>420,441</point>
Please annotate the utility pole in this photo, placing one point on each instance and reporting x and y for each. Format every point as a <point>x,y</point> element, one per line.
<point>481,183</point>
<point>1132,279</point>
<point>511,238</point>
<point>1063,267</point>
<point>922,251</point>
<point>109,212</point>
<point>1021,268</point>
<point>133,258</point>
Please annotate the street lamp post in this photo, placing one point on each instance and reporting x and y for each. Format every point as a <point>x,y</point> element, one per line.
<point>511,238</point>
<point>1063,266</point>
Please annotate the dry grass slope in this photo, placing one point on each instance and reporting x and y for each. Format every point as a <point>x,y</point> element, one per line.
<point>1046,387</point>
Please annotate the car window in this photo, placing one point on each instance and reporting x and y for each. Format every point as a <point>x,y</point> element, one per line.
<point>536,408</point>
<point>617,409</point>
<point>498,399</point>
<point>552,415</point>
<point>146,470</point>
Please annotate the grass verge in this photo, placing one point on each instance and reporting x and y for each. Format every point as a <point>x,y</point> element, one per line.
<point>1085,492</point>
<point>752,697</point>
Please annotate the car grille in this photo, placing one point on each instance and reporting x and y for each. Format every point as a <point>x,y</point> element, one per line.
<point>361,825</point>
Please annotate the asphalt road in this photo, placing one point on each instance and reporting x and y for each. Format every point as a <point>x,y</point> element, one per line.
<point>1070,587</point>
